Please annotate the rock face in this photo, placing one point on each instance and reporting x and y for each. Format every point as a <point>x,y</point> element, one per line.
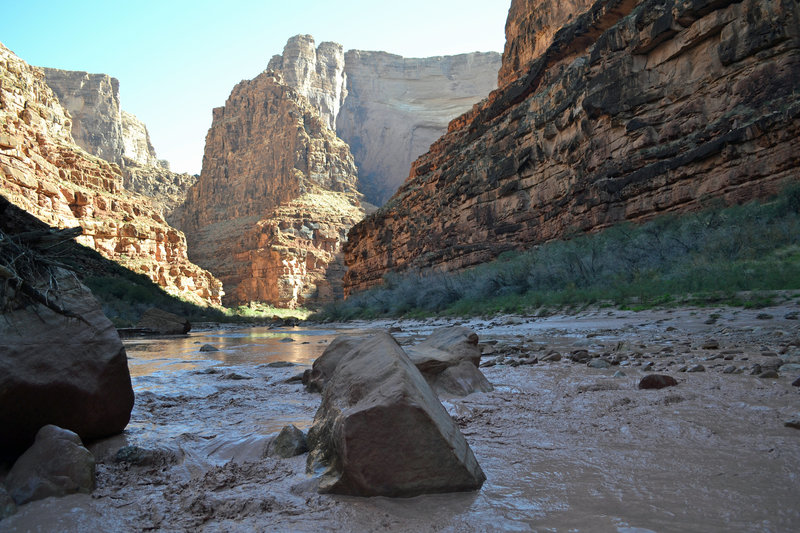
<point>56,465</point>
<point>102,128</point>
<point>275,199</point>
<point>61,363</point>
<point>316,73</point>
<point>397,107</point>
<point>381,431</point>
<point>45,173</point>
<point>634,109</point>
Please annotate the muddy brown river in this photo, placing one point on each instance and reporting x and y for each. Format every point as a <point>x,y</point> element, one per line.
<point>565,447</point>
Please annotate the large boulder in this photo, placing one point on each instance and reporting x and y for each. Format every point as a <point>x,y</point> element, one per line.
<point>56,465</point>
<point>163,322</point>
<point>449,359</point>
<point>61,362</point>
<point>323,367</point>
<point>381,431</point>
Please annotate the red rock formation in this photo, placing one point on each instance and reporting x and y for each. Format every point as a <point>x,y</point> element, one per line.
<point>636,108</point>
<point>43,171</point>
<point>275,198</point>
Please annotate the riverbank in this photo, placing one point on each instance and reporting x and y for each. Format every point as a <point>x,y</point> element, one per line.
<point>565,446</point>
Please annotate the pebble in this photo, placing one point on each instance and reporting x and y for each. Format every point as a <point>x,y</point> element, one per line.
<point>793,423</point>
<point>696,368</point>
<point>287,339</point>
<point>730,369</point>
<point>279,364</point>
<point>791,316</point>
<point>710,344</point>
<point>621,374</point>
<point>657,381</point>
<point>796,383</point>
<point>763,316</point>
<point>552,356</point>
<point>768,374</point>
<point>598,363</point>
<point>209,348</point>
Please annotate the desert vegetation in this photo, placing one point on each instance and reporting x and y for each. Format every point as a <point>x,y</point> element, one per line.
<point>734,255</point>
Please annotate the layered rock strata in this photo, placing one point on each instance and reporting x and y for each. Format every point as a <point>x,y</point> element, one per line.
<point>387,108</point>
<point>275,199</point>
<point>101,127</point>
<point>634,109</point>
<point>43,171</point>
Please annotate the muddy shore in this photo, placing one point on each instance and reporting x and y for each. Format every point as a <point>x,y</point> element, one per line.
<point>565,446</point>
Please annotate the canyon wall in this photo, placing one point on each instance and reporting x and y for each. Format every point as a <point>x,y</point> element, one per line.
<point>397,107</point>
<point>43,171</point>
<point>630,110</point>
<point>101,127</point>
<point>275,199</point>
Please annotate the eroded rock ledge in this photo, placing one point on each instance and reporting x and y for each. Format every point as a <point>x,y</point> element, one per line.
<point>633,109</point>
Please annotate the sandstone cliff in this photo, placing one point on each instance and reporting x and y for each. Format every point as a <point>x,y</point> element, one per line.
<point>397,107</point>
<point>102,128</point>
<point>633,109</point>
<point>275,199</point>
<point>43,171</point>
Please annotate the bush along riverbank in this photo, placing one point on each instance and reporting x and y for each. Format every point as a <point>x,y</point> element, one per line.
<point>736,256</point>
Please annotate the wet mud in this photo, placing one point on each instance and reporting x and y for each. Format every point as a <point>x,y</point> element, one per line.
<point>565,446</point>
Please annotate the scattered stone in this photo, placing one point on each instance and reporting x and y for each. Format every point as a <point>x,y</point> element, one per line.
<point>236,376</point>
<point>71,371</point>
<point>619,374</point>
<point>395,329</point>
<point>527,361</point>
<point>207,371</point>
<point>730,369</point>
<point>209,348</point>
<point>580,356</point>
<point>7,505</point>
<point>289,443</point>
<point>796,383</point>
<point>755,370</point>
<point>791,316</point>
<point>164,323</point>
<point>381,430</point>
<point>136,456</point>
<point>769,354</point>
<point>671,328</point>
<point>657,381</point>
<point>793,423</point>
<point>287,339</point>
<point>598,363</point>
<point>710,344</point>
<point>297,378</point>
<point>552,356</point>
<point>764,316</point>
<point>684,368</point>
<point>769,374</point>
<point>647,366</point>
<point>487,364</point>
<point>279,364</point>
<point>696,368</point>
<point>56,465</point>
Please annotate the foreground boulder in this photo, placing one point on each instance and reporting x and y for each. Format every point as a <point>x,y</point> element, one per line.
<point>323,367</point>
<point>449,360</point>
<point>56,465</point>
<point>61,362</point>
<point>163,322</point>
<point>381,431</point>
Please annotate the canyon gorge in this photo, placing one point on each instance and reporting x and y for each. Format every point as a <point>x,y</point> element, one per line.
<point>607,111</point>
<point>44,171</point>
<point>280,187</point>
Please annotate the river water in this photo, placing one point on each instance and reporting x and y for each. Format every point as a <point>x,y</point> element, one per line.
<point>564,447</point>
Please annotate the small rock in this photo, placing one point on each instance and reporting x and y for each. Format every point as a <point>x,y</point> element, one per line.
<point>796,383</point>
<point>598,363</point>
<point>287,339</point>
<point>619,374</point>
<point>528,361</point>
<point>730,369</point>
<point>395,329</point>
<point>235,376</point>
<point>768,374</point>
<point>297,378</point>
<point>696,368</point>
<point>684,368</point>
<point>791,316</point>
<point>764,316</point>
<point>657,381</point>
<point>769,354</point>
<point>793,423</point>
<point>710,344</point>
<point>289,443</point>
<point>207,371</point>
<point>209,348</point>
<point>279,364</point>
<point>648,365</point>
<point>755,370</point>
<point>56,465</point>
<point>552,356</point>
<point>7,505</point>
<point>580,356</point>
<point>671,328</point>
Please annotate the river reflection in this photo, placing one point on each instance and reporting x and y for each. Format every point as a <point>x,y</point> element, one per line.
<point>247,346</point>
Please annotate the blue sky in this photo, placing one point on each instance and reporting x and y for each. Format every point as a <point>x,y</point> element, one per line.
<point>178,59</point>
